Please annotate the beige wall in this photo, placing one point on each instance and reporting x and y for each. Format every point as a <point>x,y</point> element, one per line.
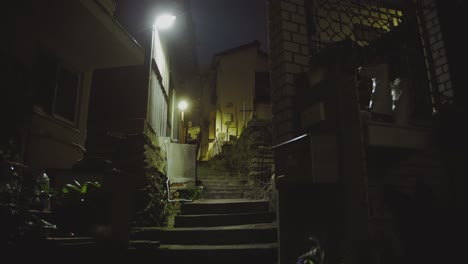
<point>53,143</point>
<point>235,84</point>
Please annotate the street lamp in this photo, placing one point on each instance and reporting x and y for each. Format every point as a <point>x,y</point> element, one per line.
<point>164,21</point>
<point>182,107</point>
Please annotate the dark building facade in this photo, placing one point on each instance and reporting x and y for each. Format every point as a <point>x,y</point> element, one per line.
<point>133,114</point>
<point>145,97</point>
<point>366,97</point>
<point>48,62</point>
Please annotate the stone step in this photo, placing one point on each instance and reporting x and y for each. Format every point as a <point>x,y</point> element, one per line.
<point>216,177</point>
<point>83,249</point>
<point>211,171</point>
<point>210,180</point>
<point>216,182</point>
<point>221,179</point>
<point>70,244</point>
<point>221,184</point>
<point>92,243</point>
<point>70,240</point>
<point>144,244</point>
<point>222,235</point>
<point>222,195</point>
<point>201,173</point>
<point>216,185</point>
<point>223,219</point>
<point>224,206</point>
<point>265,253</point>
<point>224,188</point>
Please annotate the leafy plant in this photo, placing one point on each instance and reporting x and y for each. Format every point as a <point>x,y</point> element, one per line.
<point>80,189</point>
<point>20,227</point>
<point>240,158</point>
<point>79,206</point>
<point>173,209</point>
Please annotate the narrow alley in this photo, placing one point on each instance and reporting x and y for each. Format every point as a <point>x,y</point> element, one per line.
<point>233,131</point>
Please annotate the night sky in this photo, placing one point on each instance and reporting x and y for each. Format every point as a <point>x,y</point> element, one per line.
<point>225,24</point>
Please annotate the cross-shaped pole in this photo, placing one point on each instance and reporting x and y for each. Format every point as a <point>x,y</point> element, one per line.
<point>243,114</point>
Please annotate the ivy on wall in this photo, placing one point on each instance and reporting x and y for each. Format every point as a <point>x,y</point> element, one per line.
<point>246,156</point>
<point>139,156</point>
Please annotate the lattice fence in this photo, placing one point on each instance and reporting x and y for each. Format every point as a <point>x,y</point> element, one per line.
<point>365,22</point>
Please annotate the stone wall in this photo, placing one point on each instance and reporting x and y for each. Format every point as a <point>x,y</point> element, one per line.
<point>436,53</point>
<point>289,55</point>
<point>252,159</point>
<point>141,157</point>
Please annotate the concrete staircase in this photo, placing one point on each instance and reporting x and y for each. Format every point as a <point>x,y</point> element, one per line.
<point>221,187</point>
<point>217,231</point>
<point>219,183</point>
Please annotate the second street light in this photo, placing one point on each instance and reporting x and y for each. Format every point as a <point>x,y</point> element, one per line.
<point>182,107</point>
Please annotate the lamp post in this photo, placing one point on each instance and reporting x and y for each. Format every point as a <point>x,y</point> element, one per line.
<point>164,21</point>
<point>182,107</point>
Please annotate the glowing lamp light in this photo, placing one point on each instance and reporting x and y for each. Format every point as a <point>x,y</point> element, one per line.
<point>165,21</point>
<point>183,105</point>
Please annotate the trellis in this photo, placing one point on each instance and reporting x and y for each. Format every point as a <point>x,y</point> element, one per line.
<point>364,22</point>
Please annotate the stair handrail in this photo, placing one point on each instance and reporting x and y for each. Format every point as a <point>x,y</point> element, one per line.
<point>290,141</point>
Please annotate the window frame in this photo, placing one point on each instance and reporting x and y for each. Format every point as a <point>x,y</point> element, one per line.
<point>51,109</point>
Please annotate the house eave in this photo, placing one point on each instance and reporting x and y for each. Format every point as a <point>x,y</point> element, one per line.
<point>85,33</point>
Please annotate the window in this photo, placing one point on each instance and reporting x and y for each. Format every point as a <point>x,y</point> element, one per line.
<point>158,106</point>
<point>262,87</point>
<point>57,90</point>
<point>66,94</point>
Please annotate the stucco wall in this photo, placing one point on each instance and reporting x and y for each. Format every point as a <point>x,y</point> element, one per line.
<point>235,84</point>
<point>55,144</point>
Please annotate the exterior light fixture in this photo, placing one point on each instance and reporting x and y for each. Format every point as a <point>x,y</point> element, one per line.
<point>165,21</point>
<point>183,105</point>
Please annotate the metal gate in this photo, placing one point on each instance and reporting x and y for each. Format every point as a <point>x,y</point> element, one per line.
<point>405,34</point>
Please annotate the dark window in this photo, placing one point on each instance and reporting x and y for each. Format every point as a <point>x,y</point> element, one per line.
<point>45,89</point>
<point>57,89</point>
<point>262,87</point>
<point>66,94</point>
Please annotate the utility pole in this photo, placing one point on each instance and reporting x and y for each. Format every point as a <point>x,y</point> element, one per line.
<point>244,110</point>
